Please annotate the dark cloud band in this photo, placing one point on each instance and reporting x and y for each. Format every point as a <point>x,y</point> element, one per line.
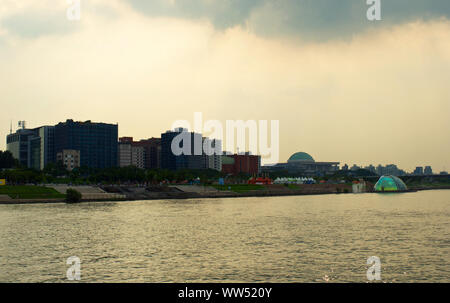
<point>309,18</point>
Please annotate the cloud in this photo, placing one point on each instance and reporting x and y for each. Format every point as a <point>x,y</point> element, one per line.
<point>32,19</point>
<point>376,97</point>
<point>316,20</point>
<point>33,24</point>
<point>310,19</point>
<point>222,14</point>
<point>359,100</point>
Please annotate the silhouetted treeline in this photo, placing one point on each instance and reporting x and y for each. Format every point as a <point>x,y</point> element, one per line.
<point>7,160</point>
<point>57,173</point>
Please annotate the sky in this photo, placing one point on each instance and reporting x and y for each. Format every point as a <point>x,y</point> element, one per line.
<point>342,88</point>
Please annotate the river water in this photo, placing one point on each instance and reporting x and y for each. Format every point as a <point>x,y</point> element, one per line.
<point>274,239</point>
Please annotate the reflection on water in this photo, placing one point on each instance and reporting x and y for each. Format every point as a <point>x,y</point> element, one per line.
<point>275,239</point>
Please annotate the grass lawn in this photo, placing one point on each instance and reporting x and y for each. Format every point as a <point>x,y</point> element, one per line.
<point>30,192</point>
<point>239,188</point>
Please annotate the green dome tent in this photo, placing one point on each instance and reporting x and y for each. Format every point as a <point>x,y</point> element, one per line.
<point>390,184</point>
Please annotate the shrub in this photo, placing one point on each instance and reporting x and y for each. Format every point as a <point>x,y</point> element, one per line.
<point>73,196</point>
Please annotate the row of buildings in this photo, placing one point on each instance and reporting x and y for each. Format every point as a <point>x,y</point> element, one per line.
<point>392,169</point>
<point>420,171</point>
<point>198,153</point>
<point>97,145</point>
<point>157,153</point>
<point>74,143</point>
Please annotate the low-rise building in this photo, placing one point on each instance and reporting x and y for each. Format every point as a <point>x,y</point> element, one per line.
<point>305,164</point>
<point>241,163</point>
<point>70,158</point>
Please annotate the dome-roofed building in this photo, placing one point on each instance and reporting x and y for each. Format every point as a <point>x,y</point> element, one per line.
<point>390,184</point>
<point>300,156</point>
<point>303,163</point>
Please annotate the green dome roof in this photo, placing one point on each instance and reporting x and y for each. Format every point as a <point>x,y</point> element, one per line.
<point>390,183</point>
<point>300,157</point>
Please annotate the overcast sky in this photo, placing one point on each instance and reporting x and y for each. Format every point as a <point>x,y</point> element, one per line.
<point>343,88</point>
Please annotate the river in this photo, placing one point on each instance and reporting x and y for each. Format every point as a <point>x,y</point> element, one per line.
<point>273,239</point>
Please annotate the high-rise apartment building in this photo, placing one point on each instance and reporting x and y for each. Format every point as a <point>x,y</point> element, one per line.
<point>213,153</point>
<point>131,154</point>
<point>152,152</point>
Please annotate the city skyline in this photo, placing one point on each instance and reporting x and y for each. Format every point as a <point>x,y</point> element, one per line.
<point>146,153</point>
<point>362,93</point>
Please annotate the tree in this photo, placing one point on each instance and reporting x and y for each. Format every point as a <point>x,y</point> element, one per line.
<point>56,169</point>
<point>73,196</point>
<point>7,160</point>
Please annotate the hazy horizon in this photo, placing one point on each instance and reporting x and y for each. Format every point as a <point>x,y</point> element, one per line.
<point>343,88</point>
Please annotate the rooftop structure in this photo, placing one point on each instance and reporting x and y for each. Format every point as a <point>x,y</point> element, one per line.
<point>304,163</point>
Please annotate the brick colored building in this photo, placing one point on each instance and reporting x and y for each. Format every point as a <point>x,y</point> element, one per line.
<point>242,163</point>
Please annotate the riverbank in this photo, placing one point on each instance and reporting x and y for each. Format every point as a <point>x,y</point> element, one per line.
<point>200,192</point>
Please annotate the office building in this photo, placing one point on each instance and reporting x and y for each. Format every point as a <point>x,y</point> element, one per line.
<point>20,145</point>
<point>168,159</point>
<point>34,148</point>
<point>96,142</point>
<point>195,151</point>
